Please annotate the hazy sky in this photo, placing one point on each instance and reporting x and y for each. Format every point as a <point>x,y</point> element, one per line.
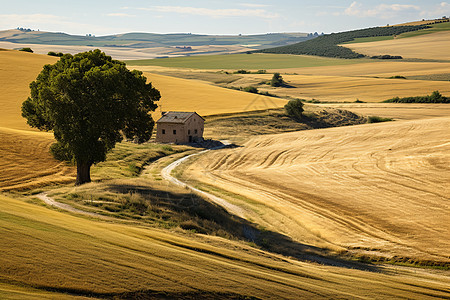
<point>213,17</point>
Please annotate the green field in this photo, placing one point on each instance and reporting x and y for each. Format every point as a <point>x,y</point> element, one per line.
<point>245,61</point>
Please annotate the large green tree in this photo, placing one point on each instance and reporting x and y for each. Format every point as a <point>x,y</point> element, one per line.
<point>90,102</point>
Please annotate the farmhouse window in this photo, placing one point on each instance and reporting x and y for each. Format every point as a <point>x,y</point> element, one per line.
<point>189,131</point>
<point>174,131</point>
<point>163,131</point>
<point>195,131</point>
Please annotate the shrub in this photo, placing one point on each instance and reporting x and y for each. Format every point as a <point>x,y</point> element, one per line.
<point>376,119</point>
<point>242,72</point>
<point>397,77</point>
<point>261,72</point>
<point>27,49</point>
<point>294,109</point>
<point>51,53</point>
<point>251,89</point>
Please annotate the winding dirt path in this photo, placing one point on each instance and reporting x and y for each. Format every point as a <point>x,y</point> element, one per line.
<point>166,174</point>
<point>50,201</point>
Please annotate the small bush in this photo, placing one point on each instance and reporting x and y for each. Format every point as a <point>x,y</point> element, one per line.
<point>51,53</point>
<point>397,77</point>
<point>294,109</point>
<point>251,89</point>
<point>242,72</point>
<point>359,101</point>
<point>376,119</point>
<point>261,72</point>
<point>27,49</point>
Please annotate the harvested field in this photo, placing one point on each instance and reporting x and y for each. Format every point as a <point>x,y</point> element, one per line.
<point>73,256</point>
<point>379,189</point>
<point>429,46</point>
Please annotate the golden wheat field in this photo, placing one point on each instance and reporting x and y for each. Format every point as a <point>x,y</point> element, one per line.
<point>46,249</point>
<point>377,189</point>
<point>429,46</point>
<point>24,158</point>
<point>191,95</point>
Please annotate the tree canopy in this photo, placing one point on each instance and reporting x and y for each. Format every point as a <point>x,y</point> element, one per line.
<point>294,109</point>
<point>277,80</point>
<point>90,102</point>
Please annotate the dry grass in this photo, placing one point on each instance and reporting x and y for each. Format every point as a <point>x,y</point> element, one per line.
<point>379,189</point>
<point>429,46</point>
<point>47,249</point>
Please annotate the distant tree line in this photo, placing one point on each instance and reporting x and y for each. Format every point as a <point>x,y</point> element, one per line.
<point>386,56</point>
<point>435,97</point>
<point>327,45</point>
<point>25,29</point>
<point>51,53</point>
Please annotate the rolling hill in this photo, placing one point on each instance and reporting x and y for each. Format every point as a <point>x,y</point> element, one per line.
<point>46,253</point>
<point>378,190</point>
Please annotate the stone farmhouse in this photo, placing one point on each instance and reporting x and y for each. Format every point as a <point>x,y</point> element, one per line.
<point>179,127</point>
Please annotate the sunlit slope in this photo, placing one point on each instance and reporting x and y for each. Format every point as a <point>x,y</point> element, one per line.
<point>52,250</point>
<point>429,46</point>
<point>377,189</point>
<point>189,95</point>
<point>25,161</point>
<point>24,158</point>
<point>17,71</point>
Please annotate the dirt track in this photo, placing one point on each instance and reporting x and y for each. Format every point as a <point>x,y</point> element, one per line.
<point>377,189</point>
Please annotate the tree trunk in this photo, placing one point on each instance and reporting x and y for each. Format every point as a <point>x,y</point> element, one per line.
<point>83,173</point>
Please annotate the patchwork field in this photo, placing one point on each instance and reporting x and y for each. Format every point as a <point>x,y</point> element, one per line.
<point>361,79</point>
<point>429,46</point>
<point>71,256</point>
<point>379,190</point>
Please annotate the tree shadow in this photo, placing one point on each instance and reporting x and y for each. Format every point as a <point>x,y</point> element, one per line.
<point>192,212</point>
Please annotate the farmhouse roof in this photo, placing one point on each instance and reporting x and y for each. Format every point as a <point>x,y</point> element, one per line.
<point>176,117</point>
